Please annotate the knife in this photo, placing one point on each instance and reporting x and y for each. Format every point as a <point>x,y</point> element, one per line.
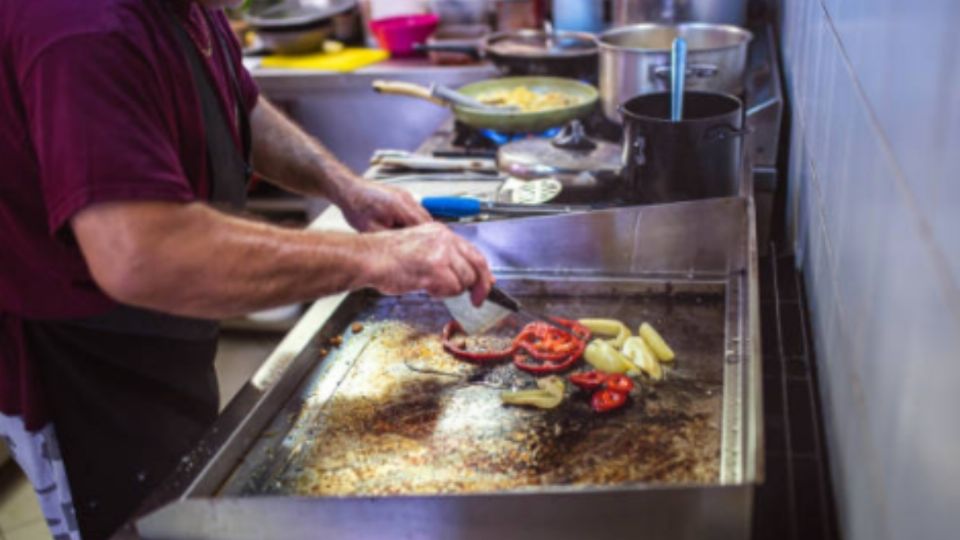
<point>459,207</point>
<point>498,306</point>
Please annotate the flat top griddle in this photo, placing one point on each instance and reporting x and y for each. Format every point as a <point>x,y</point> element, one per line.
<point>388,412</point>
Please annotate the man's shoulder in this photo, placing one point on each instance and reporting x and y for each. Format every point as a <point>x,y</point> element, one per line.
<point>43,24</point>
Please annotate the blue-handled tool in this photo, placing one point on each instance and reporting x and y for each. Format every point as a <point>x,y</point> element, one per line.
<point>460,207</point>
<point>678,72</point>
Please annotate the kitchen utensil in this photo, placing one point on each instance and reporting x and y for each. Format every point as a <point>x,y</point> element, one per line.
<point>343,61</point>
<point>535,52</point>
<point>588,170</point>
<point>295,28</point>
<point>695,158</point>
<point>400,34</point>
<point>461,207</point>
<point>400,159</point>
<point>678,68</point>
<point>583,95</point>
<point>626,12</point>
<point>501,298</point>
<point>635,60</point>
<point>539,191</point>
<point>498,306</point>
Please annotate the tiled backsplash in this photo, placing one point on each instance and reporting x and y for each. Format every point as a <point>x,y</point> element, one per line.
<point>874,211</point>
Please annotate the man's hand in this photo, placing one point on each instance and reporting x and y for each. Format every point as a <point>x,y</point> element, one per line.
<point>373,207</point>
<point>428,257</point>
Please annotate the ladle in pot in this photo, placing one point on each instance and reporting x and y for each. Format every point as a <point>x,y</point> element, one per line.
<point>678,71</point>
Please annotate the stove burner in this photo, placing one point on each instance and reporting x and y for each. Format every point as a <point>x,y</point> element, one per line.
<point>500,138</point>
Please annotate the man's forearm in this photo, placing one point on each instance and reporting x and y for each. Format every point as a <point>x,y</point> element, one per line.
<point>202,263</point>
<point>290,158</point>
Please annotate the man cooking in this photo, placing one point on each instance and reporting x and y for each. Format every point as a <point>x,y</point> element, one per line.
<point>127,127</point>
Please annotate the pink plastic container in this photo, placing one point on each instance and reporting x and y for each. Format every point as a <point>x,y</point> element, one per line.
<point>399,34</point>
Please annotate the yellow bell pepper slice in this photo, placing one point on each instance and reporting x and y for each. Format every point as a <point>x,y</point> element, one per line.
<point>548,395</point>
<point>637,350</point>
<point>608,327</point>
<point>656,343</point>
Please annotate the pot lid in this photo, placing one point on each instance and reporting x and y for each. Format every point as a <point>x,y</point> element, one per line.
<point>540,44</point>
<point>295,13</point>
<point>570,153</point>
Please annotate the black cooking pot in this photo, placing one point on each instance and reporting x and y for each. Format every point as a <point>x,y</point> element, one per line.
<point>695,158</point>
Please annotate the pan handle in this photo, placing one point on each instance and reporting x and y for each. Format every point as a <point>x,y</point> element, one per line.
<point>401,88</point>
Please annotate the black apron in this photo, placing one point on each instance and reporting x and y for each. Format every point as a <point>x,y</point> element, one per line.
<point>131,391</point>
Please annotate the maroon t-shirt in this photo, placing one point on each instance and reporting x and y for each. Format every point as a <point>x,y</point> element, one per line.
<point>97,104</point>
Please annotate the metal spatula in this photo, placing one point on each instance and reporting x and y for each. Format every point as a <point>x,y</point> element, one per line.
<point>494,309</point>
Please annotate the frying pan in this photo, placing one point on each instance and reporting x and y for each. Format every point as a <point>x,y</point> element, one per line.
<point>584,95</point>
<point>534,52</point>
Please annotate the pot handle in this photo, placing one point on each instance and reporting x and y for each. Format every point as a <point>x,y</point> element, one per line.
<point>696,71</point>
<point>639,146</point>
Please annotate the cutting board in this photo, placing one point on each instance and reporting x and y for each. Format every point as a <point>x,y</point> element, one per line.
<point>346,60</point>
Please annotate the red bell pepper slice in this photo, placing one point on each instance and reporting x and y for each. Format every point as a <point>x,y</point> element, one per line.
<point>452,329</point>
<point>607,400</point>
<point>589,380</point>
<point>552,348</point>
<point>619,383</point>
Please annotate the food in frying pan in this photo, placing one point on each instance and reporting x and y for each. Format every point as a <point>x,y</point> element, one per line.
<point>527,100</point>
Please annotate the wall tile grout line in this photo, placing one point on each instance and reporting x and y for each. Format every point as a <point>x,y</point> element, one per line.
<point>812,385</point>
<point>942,265</point>
<point>785,412</point>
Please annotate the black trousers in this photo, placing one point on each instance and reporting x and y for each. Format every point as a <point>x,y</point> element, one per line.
<point>126,408</point>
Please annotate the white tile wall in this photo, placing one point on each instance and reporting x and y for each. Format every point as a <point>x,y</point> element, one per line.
<point>874,209</point>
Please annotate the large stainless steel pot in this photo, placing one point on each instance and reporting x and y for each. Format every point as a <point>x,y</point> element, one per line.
<point>635,60</point>
<point>671,11</point>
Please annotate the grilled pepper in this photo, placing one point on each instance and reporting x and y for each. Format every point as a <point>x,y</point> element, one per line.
<point>541,348</point>
<point>548,395</point>
<point>457,349</point>
<point>638,350</point>
<point>604,357</point>
<point>608,327</point>
<point>608,400</point>
<point>618,383</point>
<point>656,343</point>
<point>589,380</point>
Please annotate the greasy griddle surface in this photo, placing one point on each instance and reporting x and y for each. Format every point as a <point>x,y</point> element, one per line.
<point>410,419</point>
